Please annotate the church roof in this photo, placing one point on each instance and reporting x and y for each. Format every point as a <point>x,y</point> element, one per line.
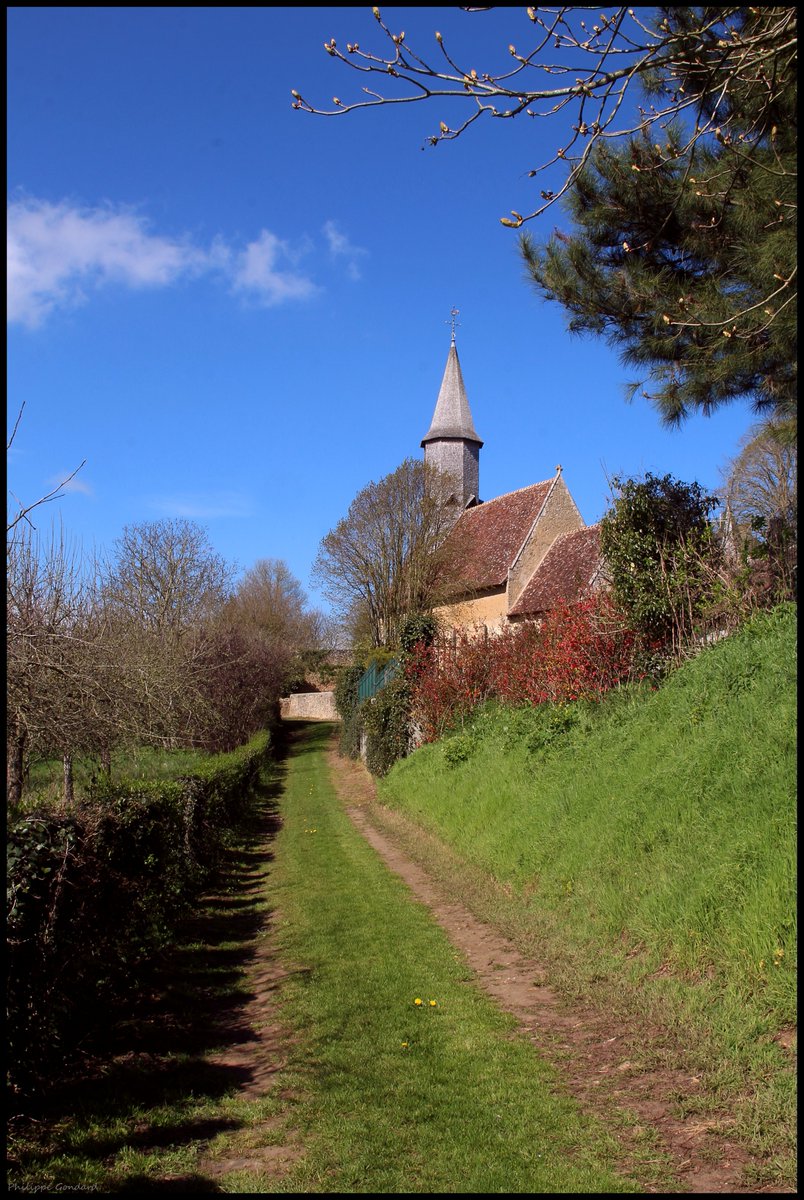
<point>452,418</point>
<point>566,572</point>
<point>486,539</point>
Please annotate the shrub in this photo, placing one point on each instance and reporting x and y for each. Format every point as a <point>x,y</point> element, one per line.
<point>578,652</point>
<point>386,720</point>
<point>347,702</point>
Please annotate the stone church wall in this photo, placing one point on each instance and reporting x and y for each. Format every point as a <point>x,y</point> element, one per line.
<point>490,611</point>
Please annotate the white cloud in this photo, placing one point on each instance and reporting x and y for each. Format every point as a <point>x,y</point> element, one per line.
<point>67,481</point>
<point>258,272</point>
<point>341,247</point>
<point>59,253</point>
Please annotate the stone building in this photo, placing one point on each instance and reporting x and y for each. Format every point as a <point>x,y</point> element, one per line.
<point>517,555</point>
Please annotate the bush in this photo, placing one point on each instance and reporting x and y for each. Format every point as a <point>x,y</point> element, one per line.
<point>386,721</point>
<point>347,702</point>
<point>579,651</point>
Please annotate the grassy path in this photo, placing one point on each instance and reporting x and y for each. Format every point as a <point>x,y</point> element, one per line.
<point>280,1048</point>
<point>409,1079</point>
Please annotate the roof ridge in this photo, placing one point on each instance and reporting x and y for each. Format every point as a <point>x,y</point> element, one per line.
<point>507,495</point>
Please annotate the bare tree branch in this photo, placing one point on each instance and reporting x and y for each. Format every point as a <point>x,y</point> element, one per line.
<point>584,59</point>
<point>55,494</point>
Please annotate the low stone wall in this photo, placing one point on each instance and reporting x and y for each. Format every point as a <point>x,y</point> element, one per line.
<point>309,706</point>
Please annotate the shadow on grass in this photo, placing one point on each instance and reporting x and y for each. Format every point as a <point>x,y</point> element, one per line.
<point>308,737</point>
<point>146,1077</point>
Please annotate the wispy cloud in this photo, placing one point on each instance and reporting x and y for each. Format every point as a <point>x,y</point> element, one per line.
<point>58,254</point>
<point>341,247</point>
<point>71,481</point>
<point>261,271</point>
<point>202,506</point>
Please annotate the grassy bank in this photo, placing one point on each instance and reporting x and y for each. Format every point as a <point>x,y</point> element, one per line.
<point>650,843</point>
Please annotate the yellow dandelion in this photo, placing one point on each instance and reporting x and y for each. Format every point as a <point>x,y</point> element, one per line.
<point>432,1004</point>
<point>418,1000</point>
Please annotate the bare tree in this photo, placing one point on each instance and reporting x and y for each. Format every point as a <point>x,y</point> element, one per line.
<point>261,639</point>
<point>163,589</point>
<point>56,679</point>
<point>386,559</point>
<point>761,498</point>
<point>166,576</point>
<point>762,479</point>
<point>270,599</point>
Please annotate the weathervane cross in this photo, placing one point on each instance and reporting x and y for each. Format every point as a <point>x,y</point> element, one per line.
<point>453,321</point>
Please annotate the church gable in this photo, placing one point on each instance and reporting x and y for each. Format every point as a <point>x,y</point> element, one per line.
<point>558,515</point>
<point>486,539</point>
<point>570,569</point>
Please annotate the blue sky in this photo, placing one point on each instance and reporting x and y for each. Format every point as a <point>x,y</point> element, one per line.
<point>239,313</point>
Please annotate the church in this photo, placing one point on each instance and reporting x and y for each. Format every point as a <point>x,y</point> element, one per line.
<point>517,555</point>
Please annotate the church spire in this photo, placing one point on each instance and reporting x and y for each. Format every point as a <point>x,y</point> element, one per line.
<point>451,443</point>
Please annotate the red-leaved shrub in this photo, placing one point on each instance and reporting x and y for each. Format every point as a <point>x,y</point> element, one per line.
<point>577,651</point>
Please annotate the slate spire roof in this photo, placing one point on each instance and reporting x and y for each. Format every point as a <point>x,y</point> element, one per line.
<point>452,418</point>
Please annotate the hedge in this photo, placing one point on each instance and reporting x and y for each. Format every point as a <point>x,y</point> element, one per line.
<point>93,894</point>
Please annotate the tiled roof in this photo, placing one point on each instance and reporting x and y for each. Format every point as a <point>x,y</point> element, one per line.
<point>486,539</point>
<point>565,573</point>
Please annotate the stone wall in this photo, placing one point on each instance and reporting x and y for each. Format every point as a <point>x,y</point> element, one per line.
<point>489,610</point>
<point>309,706</point>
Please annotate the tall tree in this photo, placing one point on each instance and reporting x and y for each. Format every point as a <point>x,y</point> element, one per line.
<point>683,253</point>
<point>676,127</point>
<point>58,657</point>
<point>385,560</point>
<point>166,576</point>
<point>269,599</point>
<point>265,637</point>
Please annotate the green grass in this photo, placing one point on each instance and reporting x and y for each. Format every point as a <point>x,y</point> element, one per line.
<point>653,841</point>
<point>400,1097</point>
<point>45,781</point>
<point>645,852</point>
